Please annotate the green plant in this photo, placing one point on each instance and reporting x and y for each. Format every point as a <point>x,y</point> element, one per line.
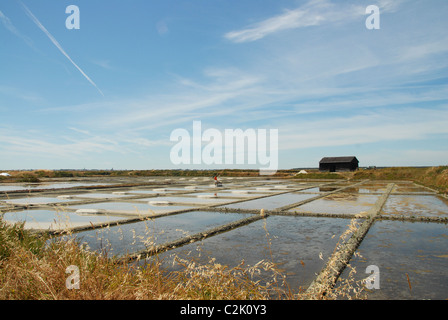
<point>28,177</point>
<point>14,236</point>
<point>63,174</point>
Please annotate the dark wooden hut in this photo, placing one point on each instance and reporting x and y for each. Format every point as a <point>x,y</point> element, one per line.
<point>333,164</point>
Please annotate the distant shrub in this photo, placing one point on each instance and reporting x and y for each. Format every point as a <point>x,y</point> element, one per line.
<point>96,173</point>
<point>28,177</point>
<point>43,174</point>
<point>63,174</point>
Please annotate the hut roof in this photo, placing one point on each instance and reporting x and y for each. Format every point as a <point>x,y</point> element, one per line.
<point>338,159</point>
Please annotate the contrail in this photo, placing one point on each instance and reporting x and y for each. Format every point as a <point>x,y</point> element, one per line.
<point>56,43</point>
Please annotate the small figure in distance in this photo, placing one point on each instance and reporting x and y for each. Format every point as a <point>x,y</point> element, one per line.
<point>217,182</point>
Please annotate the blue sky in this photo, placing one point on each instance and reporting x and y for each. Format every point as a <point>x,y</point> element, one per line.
<point>108,95</point>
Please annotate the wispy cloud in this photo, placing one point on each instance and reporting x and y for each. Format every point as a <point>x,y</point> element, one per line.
<point>377,126</point>
<point>162,28</point>
<point>19,93</point>
<point>56,43</point>
<point>188,99</point>
<point>105,64</point>
<point>37,143</point>
<point>313,13</point>
<point>9,25</point>
<point>85,132</point>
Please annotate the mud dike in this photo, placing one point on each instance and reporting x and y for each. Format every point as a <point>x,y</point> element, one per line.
<point>140,218</point>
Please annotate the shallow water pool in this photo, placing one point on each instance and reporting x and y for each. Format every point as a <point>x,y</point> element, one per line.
<point>339,203</point>
<point>37,200</point>
<point>271,202</point>
<point>102,195</point>
<point>54,220</point>
<point>416,205</point>
<point>404,251</point>
<point>137,236</point>
<point>191,199</point>
<point>129,207</point>
<point>294,244</point>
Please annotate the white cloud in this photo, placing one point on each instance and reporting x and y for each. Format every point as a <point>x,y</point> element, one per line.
<point>190,99</point>
<point>425,50</point>
<point>411,157</point>
<point>313,13</point>
<point>389,125</point>
<point>162,28</point>
<point>85,132</point>
<point>389,6</point>
<point>21,94</point>
<point>103,63</point>
<point>38,144</point>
